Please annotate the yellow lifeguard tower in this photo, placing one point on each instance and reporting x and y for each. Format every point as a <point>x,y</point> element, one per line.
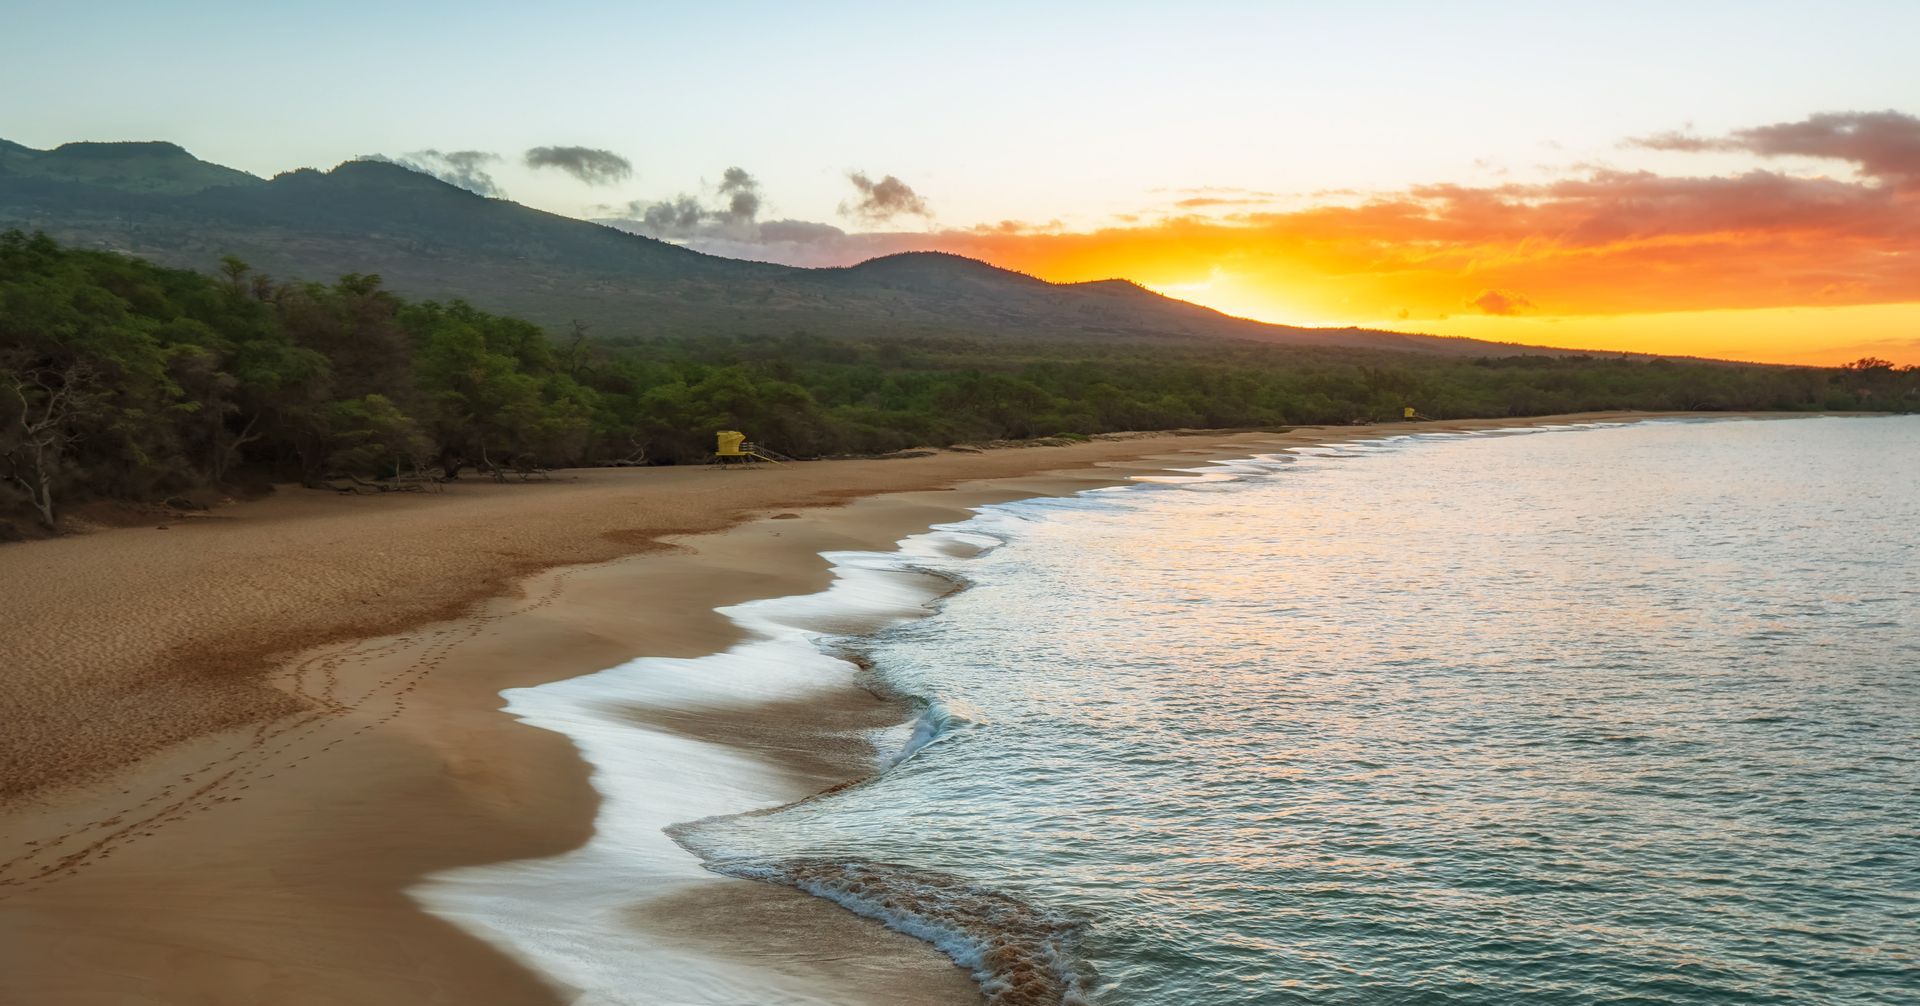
<point>732,447</point>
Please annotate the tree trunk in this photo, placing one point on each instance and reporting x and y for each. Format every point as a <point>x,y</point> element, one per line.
<point>43,501</point>
<point>310,464</point>
<point>41,441</point>
<point>225,454</point>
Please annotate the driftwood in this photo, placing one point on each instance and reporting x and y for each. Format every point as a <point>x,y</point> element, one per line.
<point>521,468</point>
<point>634,460</point>
<point>422,479</point>
<point>388,485</point>
<point>414,482</point>
<point>419,480</point>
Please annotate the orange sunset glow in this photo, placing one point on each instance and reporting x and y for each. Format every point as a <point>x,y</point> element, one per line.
<point>1220,503</point>
<point>1820,264</point>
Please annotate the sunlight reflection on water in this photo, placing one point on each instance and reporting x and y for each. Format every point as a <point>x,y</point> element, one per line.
<point>1616,715</point>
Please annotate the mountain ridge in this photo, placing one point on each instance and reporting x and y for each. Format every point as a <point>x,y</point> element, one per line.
<point>427,238</point>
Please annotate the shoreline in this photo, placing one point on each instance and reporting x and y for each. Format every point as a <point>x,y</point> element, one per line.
<point>201,881</point>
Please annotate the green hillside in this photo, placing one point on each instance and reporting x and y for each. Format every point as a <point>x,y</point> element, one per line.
<point>153,167</point>
<point>426,238</point>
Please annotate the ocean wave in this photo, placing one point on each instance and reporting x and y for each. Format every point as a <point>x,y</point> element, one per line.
<point>1021,954</point>
<point>937,721</point>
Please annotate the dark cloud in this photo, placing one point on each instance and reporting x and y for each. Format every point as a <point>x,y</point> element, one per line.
<point>463,168</point>
<point>686,216</point>
<point>883,200</point>
<point>1501,302</point>
<point>670,217</point>
<point>742,192</point>
<point>1883,145</point>
<point>592,166</point>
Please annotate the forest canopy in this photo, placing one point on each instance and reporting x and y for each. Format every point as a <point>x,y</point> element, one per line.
<point>122,379</point>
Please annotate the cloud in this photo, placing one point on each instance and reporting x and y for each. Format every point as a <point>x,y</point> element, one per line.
<point>1217,190</point>
<point>742,192</point>
<point>1602,242</point>
<point>1605,207</point>
<point>799,232</point>
<point>670,217</point>
<point>1597,242</point>
<point>463,168</point>
<point>686,216</point>
<point>1209,202</point>
<point>1018,227</point>
<point>1592,241</point>
<point>589,165</point>
<point>790,242</point>
<point>1883,145</point>
<point>1501,302</point>
<point>881,201</point>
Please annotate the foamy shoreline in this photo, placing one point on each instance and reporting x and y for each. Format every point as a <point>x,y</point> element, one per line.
<point>271,858</point>
<point>871,851</point>
<point>1018,953</point>
<point>632,721</point>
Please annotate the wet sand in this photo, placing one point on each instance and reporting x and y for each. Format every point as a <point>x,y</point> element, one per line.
<point>233,745</point>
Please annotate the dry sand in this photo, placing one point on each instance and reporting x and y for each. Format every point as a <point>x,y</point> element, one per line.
<point>230,746</point>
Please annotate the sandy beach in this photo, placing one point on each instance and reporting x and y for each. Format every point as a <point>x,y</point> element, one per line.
<point>233,746</point>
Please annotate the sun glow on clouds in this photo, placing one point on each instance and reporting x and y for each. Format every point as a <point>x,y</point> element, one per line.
<point>1817,336</point>
<point>1731,298</point>
<point>1818,265</point>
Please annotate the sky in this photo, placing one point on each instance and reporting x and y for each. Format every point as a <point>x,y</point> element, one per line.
<point>1729,179</point>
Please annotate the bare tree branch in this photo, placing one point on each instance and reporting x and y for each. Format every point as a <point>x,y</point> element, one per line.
<point>35,447</point>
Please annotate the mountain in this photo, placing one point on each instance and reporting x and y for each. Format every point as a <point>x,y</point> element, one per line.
<point>151,167</point>
<point>428,239</point>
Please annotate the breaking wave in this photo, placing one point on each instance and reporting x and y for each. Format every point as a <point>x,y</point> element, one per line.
<point>1021,954</point>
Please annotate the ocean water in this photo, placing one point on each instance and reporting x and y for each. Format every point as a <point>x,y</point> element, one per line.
<point>1600,715</point>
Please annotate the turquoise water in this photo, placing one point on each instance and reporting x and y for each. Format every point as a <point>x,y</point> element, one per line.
<point>1620,715</point>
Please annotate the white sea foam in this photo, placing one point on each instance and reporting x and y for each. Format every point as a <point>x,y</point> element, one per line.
<point>1021,954</point>
<point>570,916</point>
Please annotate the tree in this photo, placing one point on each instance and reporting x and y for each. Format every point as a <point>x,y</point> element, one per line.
<point>370,434</point>
<point>576,342</point>
<point>40,431</point>
<point>235,271</point>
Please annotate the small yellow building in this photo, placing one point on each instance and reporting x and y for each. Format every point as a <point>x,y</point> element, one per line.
<point>732,446</point>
